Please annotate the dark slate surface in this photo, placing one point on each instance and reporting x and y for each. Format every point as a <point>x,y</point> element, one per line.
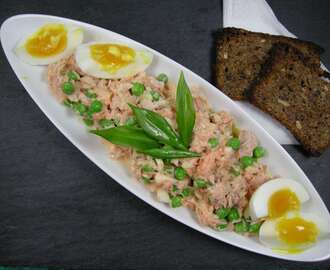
<point>58,209</point>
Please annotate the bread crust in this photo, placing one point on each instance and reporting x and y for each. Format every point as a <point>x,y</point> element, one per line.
<point>291,90</point>
<point>241,53</point>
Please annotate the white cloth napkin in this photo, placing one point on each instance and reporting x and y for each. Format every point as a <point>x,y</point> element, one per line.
<point>253,15</point>
<point>257,16</point>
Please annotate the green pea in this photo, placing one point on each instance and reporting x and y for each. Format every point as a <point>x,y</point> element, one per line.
<point>155,95</point>
<point>254,228</point>
<point>213,142</point>
<point>222,227</point>
<point>175,188</point>
<point>89,114</point>
<point>90,94</point>
<point>176,201</point>
<point>233,214</point>
<point>147,168</point>
<point>246,161</point>
<point>67,103</point>
<point>137,89</point>
<point>234,143</point>
<point>96,106</point>
<point>186,192</point>
<point>146,180</point>
<point>180,173</point>
<point>88,122</point>
<point>131,121</point>
<point>72,75</point>
<point>223,212</point>
<point>259,152</point>
<point>81,108</point>
<point>67,88</point>
<point>200,183</point>
<point>105,123</point>
<point>162,77</point>
<point>241,227</point>
<point>74,106</point>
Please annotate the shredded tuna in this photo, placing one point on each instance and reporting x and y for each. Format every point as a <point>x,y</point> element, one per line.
<point>255,176</point>
<point>204,212</point>
<point>208,164</point>
<point>215,165</point>
<point>248,143</point>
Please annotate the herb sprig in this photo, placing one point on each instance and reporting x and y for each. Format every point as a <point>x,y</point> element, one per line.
<point>156,137</point>
<point>185,111</point>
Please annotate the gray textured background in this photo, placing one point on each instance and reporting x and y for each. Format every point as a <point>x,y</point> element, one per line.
<point>58,209</point>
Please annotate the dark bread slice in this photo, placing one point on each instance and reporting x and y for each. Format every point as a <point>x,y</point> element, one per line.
<point>291,90</point>
<point>240,54</point>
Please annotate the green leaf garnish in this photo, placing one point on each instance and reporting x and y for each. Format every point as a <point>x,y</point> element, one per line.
<point>169,153</point>
<point>185,111</point>
<point>127,136</point>
<point>157,127</point>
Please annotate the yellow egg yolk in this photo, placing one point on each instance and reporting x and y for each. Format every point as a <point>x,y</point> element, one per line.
<point>49,40</point>
<point>112,56</point>
<point>281,202</point>
<point>296,231</point>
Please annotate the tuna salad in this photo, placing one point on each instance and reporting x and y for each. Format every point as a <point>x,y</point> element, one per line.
<point>214,176</point>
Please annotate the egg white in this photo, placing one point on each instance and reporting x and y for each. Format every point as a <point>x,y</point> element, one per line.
<point>74,38</point>
<point>88,65</point>
<point>163,196</point>
<point>268,234</point>
<point>258,204</point>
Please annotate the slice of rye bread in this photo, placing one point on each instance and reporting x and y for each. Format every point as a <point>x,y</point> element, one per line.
<point>292,91</point>
<point>240,54</point>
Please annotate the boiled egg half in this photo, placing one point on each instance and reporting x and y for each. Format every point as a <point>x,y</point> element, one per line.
<point>49,43</point>
<point>276,197</point>
<point>293,232</point>
<point>111,60</point>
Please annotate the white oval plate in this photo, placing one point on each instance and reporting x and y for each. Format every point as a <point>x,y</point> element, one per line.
<point>33,79</point>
